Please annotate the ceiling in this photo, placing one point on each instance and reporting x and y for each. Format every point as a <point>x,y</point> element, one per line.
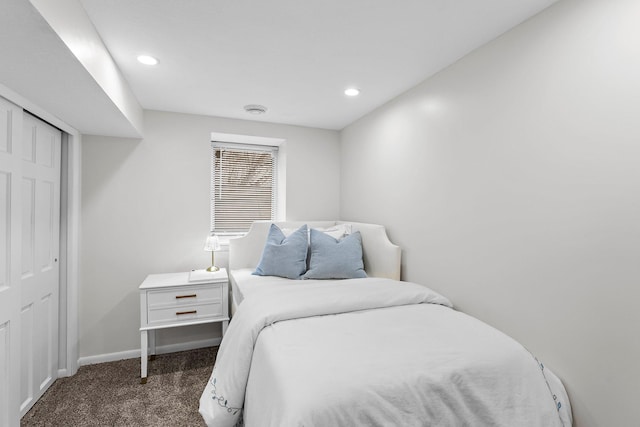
<point>294,57</point>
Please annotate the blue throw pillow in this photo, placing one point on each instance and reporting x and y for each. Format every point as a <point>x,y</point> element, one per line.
<point>284,256</point>
<point>335,259</point>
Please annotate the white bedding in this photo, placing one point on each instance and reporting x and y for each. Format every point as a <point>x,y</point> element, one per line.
<point>373,352</point>
<point>243,283</point>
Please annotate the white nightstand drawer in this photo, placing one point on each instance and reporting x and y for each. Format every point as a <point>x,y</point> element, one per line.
<point>190,295</point>
<point>185,313</point>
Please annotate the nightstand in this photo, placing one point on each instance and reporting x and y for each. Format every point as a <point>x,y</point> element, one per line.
<point>180,299</point>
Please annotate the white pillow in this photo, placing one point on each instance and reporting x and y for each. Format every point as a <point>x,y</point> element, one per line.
<point>337,231</point>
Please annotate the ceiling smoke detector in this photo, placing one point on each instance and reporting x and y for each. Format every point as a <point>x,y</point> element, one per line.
<point>255,109</point>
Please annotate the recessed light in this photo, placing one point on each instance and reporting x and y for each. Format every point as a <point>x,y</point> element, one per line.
<point>147,60</point>
<point>352,91</point>
<point>255,109</point>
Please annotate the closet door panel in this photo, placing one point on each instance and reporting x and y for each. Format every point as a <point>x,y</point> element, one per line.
<point>27,356</point>
<point>28,221</point>
<point>10,268</point>
<point>5,369</point>
<point>41,145</point>
<point>5,229</point>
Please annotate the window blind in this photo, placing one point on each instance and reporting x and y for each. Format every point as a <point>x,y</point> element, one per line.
<point>243,186</point>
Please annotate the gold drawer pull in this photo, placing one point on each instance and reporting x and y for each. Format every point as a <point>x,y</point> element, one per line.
<point>178,313</point>
<point>186,296</point>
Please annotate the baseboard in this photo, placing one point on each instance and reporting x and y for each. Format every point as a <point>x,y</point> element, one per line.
<point>132,354</point>
<point>109,357</point>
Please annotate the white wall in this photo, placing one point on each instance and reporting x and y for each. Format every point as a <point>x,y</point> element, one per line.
<point>145,209</point>
<point>512,182</point>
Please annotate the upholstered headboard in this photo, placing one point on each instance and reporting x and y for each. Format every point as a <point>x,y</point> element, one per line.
<point>381,257</point>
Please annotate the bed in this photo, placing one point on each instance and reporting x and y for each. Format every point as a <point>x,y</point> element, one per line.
<point>371,350</point>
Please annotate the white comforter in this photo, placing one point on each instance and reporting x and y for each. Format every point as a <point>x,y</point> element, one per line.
<point>373,352</point>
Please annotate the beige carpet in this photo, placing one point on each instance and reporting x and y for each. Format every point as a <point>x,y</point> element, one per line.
<point>110,394</point>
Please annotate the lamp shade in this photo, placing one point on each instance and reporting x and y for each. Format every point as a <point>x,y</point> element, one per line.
<point>212,243</point>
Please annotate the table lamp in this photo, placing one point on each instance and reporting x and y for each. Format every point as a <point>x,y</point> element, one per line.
<point>212,244</point>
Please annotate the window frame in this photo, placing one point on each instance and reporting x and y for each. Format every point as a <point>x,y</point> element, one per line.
<point>247,147</point>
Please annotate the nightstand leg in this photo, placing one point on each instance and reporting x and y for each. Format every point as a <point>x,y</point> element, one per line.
<point>152,344</point>
<point>225,324</point>
<point>143,356</point>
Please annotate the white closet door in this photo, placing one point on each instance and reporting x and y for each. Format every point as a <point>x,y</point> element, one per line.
<point>40,237</point>
<point>10,267</point>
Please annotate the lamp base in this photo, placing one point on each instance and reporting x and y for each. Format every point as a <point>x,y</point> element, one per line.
<point>213,269</point>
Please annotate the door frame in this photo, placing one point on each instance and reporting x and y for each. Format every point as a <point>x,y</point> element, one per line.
<point>70,220</point>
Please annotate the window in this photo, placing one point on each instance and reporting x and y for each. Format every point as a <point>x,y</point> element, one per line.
<point>243,185</point>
